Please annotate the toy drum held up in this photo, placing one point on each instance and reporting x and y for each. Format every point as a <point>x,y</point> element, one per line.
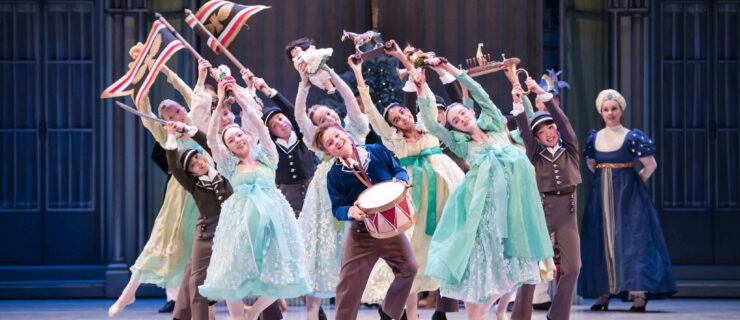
<point>390,211</point>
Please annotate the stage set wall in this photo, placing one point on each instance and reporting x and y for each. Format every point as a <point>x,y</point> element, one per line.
<point>80,193</point>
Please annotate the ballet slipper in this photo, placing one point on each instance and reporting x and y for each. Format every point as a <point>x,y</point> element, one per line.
<point>117,307</point>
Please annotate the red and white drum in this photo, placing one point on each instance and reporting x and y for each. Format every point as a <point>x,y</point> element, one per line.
<point>390,211</point>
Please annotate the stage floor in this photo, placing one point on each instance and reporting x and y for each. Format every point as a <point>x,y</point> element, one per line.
<point>674,309</point>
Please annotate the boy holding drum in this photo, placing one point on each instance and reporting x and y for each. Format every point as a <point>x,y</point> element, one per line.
<point>360,252</point>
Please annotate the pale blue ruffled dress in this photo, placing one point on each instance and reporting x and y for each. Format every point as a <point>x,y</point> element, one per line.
<point>258,249</point>
<point>324,235</point>
<point>492,232</point>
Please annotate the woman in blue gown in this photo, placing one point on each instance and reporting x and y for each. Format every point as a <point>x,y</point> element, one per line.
<point>623,252</point>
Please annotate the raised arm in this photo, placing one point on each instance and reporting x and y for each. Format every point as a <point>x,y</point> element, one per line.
<point>263,135</point>
<point>381,127</point>
<point>200,110</point>
<point>173,157</point>
<point>479,95</point>
<point>219,153</point>
<point>428,114</point>
<point>530,143</point>
<point>353,109</point>
<point>157,130</point>
<point>561,120</point>
<point>301,117</point>
<point>179,85</point>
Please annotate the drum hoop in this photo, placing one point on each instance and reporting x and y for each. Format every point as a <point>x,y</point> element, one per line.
<point>384,207</point>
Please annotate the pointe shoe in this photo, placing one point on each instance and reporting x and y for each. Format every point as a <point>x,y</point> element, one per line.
<point>117,307</point>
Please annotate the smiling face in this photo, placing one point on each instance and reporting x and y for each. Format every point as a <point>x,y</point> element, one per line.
<point>547,134</point>
<point>401,118</point>
<point>173,112</point>
<point>237,141</point>
<point>323,115</point>
<point>280,126</point>
<point>461,118</point>
<point>336,142</point>
<point>198,165</point>
<point>611,112</point>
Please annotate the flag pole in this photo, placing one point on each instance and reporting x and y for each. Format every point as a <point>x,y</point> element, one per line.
<point>226,52</point>
<point>177,35</point>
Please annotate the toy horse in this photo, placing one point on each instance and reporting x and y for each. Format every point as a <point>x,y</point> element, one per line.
<point>363,38</point>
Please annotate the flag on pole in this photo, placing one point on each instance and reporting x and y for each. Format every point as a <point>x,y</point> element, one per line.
<point>160,45</point>
<point>223,19</point>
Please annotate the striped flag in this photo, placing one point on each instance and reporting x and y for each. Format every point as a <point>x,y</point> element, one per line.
<point>223,19</point>
<point>160,45</point>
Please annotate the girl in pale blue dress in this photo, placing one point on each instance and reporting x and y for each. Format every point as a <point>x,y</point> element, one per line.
<point>324,235</point>
<point>492,232</point>
<point>257,248</point>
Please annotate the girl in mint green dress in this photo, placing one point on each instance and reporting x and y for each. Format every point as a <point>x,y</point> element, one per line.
<point>492,232</point>
<point>258,250</point>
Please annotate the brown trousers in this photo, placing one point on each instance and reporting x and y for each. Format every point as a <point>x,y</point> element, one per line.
<point>359,254</point>
<point>190,304</point>
<point>562,219</point>
<point>446,304</point>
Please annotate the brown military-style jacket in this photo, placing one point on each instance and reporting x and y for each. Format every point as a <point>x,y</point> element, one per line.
<point>559,171</point>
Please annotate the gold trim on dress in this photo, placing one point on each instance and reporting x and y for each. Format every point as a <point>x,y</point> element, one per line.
<point>614,165</point>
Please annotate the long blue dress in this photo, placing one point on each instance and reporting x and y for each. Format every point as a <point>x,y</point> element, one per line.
<point>258,249</point>
<point>640,260</point>
<point>492,232</point>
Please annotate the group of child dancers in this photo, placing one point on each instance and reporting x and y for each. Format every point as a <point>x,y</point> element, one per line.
<point>268,208</point>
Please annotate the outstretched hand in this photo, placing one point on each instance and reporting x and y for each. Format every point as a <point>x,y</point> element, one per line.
<point>262,86</point>
<point>394,51</point>
<point>223,87</point>
<point>419,79</point>
<point>355,65</point>
<point>402,182</point>
<point>203,68</point>
<point>175,127</point>
<point>533,86</point>
<point>356,213</point>
<point>302,69</point>
<point>248,76</point>
<point>517,93</point>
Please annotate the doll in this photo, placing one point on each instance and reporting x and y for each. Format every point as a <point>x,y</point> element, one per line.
<point>302,51</point>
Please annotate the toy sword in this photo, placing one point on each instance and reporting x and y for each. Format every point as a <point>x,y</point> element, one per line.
<point>140,114</point>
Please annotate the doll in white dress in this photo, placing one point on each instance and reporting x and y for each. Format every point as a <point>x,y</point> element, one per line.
<point>303,51</point>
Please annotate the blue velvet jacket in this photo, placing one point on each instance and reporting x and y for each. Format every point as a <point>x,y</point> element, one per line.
<point>344,187</point>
